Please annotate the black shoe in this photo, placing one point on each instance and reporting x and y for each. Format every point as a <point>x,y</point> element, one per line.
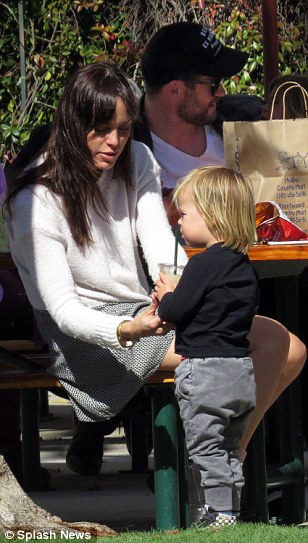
<point>83,462</point>
<point>85,453</point>
<point>196,514</point>
<point>214,519</point>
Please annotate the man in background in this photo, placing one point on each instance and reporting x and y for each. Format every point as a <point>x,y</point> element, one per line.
<point>183,67</point>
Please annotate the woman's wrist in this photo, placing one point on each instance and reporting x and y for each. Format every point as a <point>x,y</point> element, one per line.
<point>125,337</point>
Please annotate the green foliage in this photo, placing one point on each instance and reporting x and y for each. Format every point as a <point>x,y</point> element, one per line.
<point>240,25</point>
<point>242,29</point>
<point>61,35</point>
<point>244,533</point>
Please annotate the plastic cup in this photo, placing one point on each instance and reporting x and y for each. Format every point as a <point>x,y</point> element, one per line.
<point>171,271</point>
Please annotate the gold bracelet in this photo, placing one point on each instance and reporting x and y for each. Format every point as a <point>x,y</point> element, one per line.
<point>126,344</point>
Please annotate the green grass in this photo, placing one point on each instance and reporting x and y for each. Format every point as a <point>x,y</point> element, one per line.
<point>242,533</point>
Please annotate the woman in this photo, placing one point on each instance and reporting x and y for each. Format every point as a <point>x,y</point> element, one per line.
<point>75,222</point>
<point>73,236</point>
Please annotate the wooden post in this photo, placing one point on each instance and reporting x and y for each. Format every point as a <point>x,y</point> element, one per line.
<point>270,43</point>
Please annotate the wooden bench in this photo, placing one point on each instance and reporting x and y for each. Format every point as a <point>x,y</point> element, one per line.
<point>23,366</point>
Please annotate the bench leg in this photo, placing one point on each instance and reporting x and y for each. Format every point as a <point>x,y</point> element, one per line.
<point>254,498</point>
<point>43,404</point>
<point>183,475</point>
<point>30,438</point>
<point>139,450</point>
<point>164,412</point>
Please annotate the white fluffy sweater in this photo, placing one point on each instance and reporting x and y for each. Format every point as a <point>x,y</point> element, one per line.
<point>68,280</point>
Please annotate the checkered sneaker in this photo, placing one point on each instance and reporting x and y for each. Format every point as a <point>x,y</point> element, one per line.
<point>223,520</point>
<point>214,519</point>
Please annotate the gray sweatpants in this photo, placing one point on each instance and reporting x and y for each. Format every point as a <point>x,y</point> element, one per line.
<point>216,397</point>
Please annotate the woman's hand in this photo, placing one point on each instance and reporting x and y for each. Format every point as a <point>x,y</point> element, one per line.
<point>145,324</point>
<point>162,286</point>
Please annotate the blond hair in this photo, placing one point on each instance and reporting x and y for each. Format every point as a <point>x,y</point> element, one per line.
<point>224,198</point>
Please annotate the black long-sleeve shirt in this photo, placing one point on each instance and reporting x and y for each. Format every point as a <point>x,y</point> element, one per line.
<point>213,304</point>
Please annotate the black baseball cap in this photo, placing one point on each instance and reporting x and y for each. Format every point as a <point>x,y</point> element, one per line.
<point>181,50</point>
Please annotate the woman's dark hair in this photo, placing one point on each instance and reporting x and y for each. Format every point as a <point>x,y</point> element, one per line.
<point>297,105</point>
<point>88,101</point>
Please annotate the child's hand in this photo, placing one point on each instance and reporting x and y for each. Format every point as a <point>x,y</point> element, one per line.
<point>162,286</point>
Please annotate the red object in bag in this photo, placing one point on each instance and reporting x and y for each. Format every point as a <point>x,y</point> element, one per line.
<point>273,225</point>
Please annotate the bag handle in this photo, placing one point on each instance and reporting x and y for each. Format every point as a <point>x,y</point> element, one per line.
<point>293,84</point>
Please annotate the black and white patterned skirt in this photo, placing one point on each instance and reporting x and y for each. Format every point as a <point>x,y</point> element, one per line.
<point>100,381</point>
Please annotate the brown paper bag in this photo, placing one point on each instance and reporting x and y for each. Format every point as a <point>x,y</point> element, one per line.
<point>274,154</point>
